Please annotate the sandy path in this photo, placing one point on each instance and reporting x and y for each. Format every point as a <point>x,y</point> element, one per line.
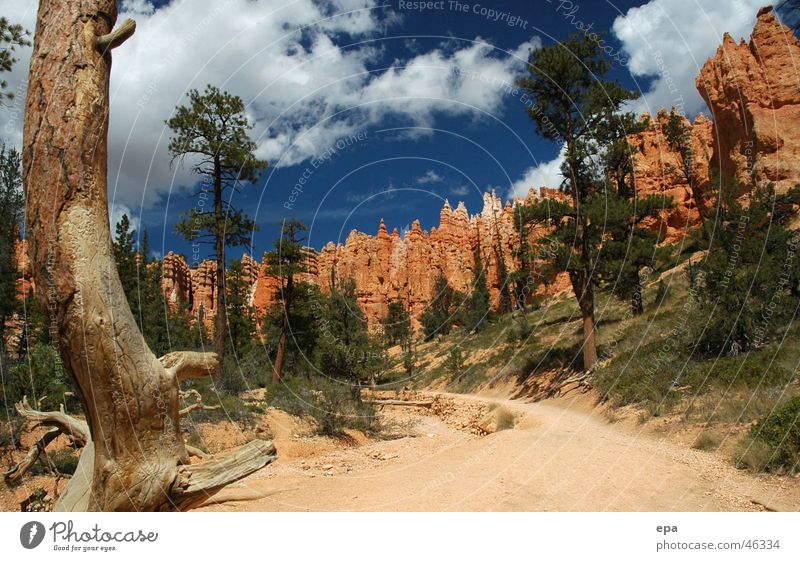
<point>561,456</point>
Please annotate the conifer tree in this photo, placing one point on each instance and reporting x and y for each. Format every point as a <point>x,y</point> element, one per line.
<point>573,96</point>
<point>213,130</point>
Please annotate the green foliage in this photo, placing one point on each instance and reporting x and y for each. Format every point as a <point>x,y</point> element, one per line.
<point>346,350</point>
<point>331,404</point>
<point>397,324</point>
<point>164,329</point>
<point>409,363</point>
<point>474,312</point>
<point>126,256</point>
<point>780,431</point>
<point>662,293</point>
<point>12,36</point>
<point>41,376</point>
<point>293,320</point>
<point>578,107</point>
<point>439,315</point>
<point>750,278</point>
<point>213,130</point>
<point>454,363</point>
<point>241,321</point>
<point>11,431</point>
<point>12,205</point>
<point>65,460</point>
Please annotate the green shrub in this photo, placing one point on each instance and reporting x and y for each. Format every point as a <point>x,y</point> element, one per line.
<point>41,376</point>
<point>454,363</point>
<point>10,432</point>
<point>65,460</point>
<point>780,431</point>
<point>332,406</point>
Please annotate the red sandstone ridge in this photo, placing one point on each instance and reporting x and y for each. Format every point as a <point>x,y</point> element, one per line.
<point>656,167</point>
<point>753,91</point>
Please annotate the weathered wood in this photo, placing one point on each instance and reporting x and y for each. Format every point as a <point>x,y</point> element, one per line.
<point>196,407</point>
<point>197,453</point>
<point>74,428</point>
<point>78,493</point>
<point>13,475</point>
<point>186,365</point>
<point>198,482</point>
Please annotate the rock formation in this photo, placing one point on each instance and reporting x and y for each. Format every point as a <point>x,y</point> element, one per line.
<point>753,92</point>
<point>657,172</point>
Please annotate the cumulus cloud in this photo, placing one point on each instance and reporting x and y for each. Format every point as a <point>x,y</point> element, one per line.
<point>670,41</point>
<point>545,174</point>
<point>305,68</point>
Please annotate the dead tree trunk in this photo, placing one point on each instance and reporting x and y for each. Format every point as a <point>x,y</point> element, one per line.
<point>130,398</point>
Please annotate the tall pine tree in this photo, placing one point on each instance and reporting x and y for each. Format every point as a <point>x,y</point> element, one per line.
<point>213,130</point>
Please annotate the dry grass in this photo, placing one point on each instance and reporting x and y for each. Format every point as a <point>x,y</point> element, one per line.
<point>707,441</point>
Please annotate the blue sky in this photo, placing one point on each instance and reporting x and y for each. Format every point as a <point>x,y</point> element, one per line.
<point>381,110</point>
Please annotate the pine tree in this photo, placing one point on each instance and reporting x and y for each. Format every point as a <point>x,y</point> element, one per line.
<point>241,324</point>
<point>286,262</point>
<point>439,315</point>
<point>397,324</point>
<point>750,281</point>
<point>346,350</point>
<point>476,310</point>
<point>127,262</point>
<point>572,97</point>
<point>12,35</point>
<point>628,246</point>
<point>12,203</point>
<point>213,130</point>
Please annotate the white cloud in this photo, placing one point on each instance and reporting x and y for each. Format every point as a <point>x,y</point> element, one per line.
<point>116,211</point>
<point>545,174</point>
<point>429,177</point>
<point>459,190</point>
<point>671,40</point>
<point>289,62</point>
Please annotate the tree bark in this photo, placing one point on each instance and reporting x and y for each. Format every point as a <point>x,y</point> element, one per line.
<point>279,356</point>
<point>582,286</point>
<point>130,399</point>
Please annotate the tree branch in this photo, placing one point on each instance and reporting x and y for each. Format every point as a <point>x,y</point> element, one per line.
<point>114,39</point>
<point>78,430</point>
<point>185,365</point>
<point>15,473</point>
<point>198,482</point>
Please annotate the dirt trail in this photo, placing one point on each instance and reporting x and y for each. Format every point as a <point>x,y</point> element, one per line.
<point>561,456</point>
